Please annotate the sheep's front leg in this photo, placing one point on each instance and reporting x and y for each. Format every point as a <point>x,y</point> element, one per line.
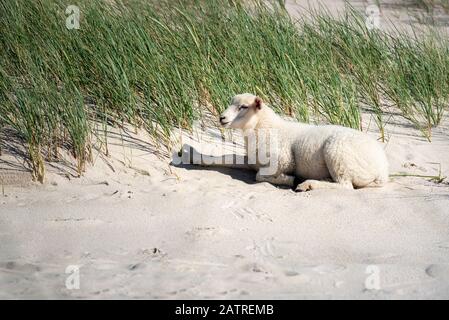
<point>280,179</point>
<point>317,184</point>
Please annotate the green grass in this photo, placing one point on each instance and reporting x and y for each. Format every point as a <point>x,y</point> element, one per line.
<point>152,63</point>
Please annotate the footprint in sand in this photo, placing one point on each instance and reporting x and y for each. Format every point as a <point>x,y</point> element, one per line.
<point>201,232</point>
<point>248,213</point>
<point>238,210</point>
<point>438,271</point>
<point>136,266</point>
<point>264,249</point>
<point>153,253</point>
<point>14,266</point>
<point>232,293</point>
<point>79,220</point>
<point>291,273</point>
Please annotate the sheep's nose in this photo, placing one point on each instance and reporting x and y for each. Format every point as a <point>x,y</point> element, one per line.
<point>222,118</point>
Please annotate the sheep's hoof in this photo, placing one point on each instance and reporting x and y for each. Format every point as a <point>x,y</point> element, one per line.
<point>303,187</point>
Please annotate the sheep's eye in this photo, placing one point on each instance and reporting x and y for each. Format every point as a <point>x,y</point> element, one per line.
<point>243,107</point>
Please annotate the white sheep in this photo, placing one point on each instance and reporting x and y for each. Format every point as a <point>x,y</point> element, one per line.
<point>327,156</point>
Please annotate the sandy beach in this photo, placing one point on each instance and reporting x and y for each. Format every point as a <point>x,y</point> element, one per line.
<point>139,228</point>
<point>136,226</point>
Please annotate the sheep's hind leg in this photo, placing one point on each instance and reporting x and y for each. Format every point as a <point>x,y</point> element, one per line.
<point>317,184</point>
<point>281,179</point>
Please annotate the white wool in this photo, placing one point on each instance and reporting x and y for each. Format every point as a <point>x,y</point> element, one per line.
<point>320,152</point>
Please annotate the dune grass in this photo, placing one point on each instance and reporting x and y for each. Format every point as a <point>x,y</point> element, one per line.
<point>158,64</point>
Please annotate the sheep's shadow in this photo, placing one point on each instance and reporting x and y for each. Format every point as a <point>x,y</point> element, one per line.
<point>247,176</point>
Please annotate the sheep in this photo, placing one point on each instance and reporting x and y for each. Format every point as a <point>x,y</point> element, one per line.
<point>325,156</point>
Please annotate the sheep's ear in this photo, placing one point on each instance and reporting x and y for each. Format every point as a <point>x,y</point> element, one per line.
<point>258,103</point>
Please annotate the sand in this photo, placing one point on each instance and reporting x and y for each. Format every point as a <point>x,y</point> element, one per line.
<point>135,226</point>
<point>139,228</point>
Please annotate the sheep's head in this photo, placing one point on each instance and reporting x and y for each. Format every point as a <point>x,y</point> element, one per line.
<point>242,113</point>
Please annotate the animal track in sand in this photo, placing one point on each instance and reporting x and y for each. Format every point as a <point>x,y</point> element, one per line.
<point>291,273</point>
<point>245,213</point>
<point>90,221</point>
<point>411,165</point>
<point>85,197</point>
<point>240,211</point>
<point>14,266</point>
<point>258,268</point>
<point>232,293</point>
<point>438,271</point>
<point>153,253</point>
<point>264,249</point>
<point>200,232</point>
<point>135,266</point>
